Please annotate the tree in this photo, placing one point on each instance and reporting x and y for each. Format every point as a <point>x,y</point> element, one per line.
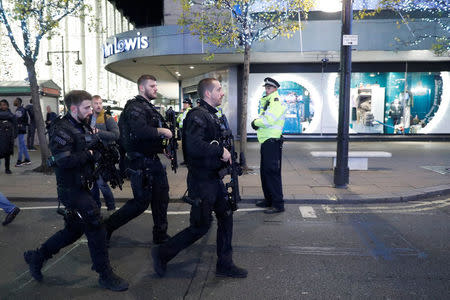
<point>238,24</point>
<point>432,11</point>
<point>34,19</point>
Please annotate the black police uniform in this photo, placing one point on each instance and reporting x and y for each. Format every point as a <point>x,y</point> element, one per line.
<point>139,138</point>
<point>202,151</point>
<point>74,164</point>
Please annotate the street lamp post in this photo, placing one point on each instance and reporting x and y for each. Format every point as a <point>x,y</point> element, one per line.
<point>341,171</point>
<point>62,51</point>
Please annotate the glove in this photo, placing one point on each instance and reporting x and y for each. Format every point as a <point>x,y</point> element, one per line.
<point>254,126</point>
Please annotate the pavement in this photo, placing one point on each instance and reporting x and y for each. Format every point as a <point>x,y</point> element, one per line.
<point>416,170</point>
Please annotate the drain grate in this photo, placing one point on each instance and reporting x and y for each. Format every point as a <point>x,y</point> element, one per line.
<point>438,169</point>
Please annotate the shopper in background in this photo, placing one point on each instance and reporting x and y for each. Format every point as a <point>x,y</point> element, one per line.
<point>8,133</point>
<point>22,123</point>
<point>31,127</point>
<point>51,115</point>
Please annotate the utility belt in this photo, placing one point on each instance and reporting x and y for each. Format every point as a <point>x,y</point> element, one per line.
<point>275,140</point>
<point>202,174</point>
<point>137,160</point>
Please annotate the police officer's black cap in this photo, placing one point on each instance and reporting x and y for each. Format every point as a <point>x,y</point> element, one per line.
<point>271,82</point>
<point>188,101</point>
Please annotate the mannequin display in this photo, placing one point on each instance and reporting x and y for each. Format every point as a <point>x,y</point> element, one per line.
<point>396,111</point>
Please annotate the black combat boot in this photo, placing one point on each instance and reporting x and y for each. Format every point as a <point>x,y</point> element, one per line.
<point>231,271</point>
<point>159,265</point>
<point>109,280</point>
<point>35,260</point>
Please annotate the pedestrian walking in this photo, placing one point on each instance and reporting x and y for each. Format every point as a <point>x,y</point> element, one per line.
<point>205,156</point>
<point>269,129</point>
<point>10,209</point>
<point>106,128</point>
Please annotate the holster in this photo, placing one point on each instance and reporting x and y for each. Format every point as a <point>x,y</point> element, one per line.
<point>196,210</point>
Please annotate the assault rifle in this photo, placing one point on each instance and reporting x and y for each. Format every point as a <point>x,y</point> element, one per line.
<point>105,161</point>
<point>172,144</point>
<point>235,168</point>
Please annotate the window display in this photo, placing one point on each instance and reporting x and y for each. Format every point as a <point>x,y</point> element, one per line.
<point>380,102</point>
<point>299,111</point>
<point>407,107</point>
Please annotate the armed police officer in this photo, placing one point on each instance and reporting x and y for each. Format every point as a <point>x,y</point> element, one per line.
<point>205,156</point>
<point>269,127</point>
<point>142,131</point>
<point>70,138</point>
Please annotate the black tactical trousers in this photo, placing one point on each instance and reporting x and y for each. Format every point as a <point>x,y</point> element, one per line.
<point>85,219</point>
<point>270,171</point>
<point>212,195</point>
<point>150,186</point>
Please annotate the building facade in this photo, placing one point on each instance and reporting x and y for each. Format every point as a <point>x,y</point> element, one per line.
<point>395,88</point>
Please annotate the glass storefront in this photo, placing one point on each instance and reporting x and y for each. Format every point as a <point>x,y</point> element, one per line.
<point>380,102</point>
<point>383,103</point>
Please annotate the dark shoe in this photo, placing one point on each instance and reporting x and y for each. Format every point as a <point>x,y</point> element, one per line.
<point>26,162</point>
<point>109,280</point>
<point>274,210</point>
<point>262,203</point>
<point>8,171</point>
<point>159,265</point>
<point>231,271</point>
<point>18,163</point>
<point>161,239</point>
<point>35,261</point>
<point>11,216</point>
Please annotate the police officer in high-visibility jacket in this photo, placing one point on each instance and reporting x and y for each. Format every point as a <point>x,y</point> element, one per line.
<point>269,127</point>
<point>187,106</point>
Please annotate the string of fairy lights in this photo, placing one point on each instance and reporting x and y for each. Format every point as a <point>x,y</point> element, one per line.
<point>432,11</point>
<point>251,17</point>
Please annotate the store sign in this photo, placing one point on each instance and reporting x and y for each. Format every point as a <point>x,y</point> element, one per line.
<point>125,45</point>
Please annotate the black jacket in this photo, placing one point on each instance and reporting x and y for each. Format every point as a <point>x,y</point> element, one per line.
<point>22,119</point>
<point>74,163</point>
<point>138,125</point>
<point>8,132</point>
<point>30,112</point>
<point>202,146</point>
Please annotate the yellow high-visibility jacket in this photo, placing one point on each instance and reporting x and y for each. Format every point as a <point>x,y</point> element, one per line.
<point>271,118</point>
<point>182,116</point>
